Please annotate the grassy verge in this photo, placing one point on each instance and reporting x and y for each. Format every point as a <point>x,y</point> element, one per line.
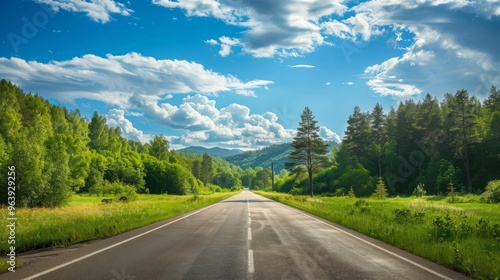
<point>462,236</point>
<point>86,218</point>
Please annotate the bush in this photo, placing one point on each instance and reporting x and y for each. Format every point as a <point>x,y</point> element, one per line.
<point>405,215</point>
<point>236,188</point>
<point>119,190</point>
<point>443,226</point>
<point>492,192</point>
<point>213,188</point>
<point>351,193</point>
<point>296,191</point>
<point>419,190</point>
<point>452,194</point>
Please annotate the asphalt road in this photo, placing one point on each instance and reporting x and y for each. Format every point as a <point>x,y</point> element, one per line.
<point>244,237</point>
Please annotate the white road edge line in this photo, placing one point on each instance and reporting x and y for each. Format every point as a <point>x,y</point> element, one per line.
<point>373,245</point>
<point>251,268</point>
<point>116,244</point>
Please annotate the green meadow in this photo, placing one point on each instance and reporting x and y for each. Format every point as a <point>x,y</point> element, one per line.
<point>87,218</point>
<point>464,236</point>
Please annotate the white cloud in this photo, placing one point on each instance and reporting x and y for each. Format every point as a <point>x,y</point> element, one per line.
<point>449,44</point>
<point>454,44</point>
<point>135,114</point>
<point>211,42</point>
<point>116,117</point>
<point>225,50</point>
<point>202,123</point>
<point>114,79</point>
<point>226,43</point>
<point>284,28</point>
<point>303,66</point>
<point>97,10</point>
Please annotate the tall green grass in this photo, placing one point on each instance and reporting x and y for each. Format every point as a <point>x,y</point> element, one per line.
<point>462,236</point>
<point>86,218</point>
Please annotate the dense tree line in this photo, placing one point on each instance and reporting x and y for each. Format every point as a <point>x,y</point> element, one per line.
<point>427,143</point>
<point>57,152</point>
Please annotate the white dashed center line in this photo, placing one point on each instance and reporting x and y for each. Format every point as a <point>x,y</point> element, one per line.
<point>251,267</point>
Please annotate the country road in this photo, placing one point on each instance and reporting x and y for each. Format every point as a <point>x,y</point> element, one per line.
<point>244,237</point>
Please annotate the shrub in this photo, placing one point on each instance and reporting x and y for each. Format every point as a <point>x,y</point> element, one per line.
<point>351,193</point>
<point>419,190</point>
<point>339,192</point>
<point>443,226</point>
<point>492,192</point>
<point>405,215</point>
<point>296,191</point>
<point>236,188</point>
<point>452,194</point>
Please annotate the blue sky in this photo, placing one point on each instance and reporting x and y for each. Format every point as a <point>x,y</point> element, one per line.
<point>237,74</point>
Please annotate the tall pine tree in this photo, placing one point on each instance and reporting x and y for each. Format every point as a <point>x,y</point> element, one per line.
<point>378,133</point>
<point>310,150</point>
<point>357,135</point>
<point>462,127</point>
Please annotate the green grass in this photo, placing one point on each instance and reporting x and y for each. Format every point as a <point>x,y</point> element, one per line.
<point>463,236</point>
<point>86,218</point>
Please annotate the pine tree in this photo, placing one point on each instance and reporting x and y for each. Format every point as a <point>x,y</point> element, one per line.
<point>310,150</point>
<point>462,127</point>
<point>492,103</point>
<point>378,133</point>
<point>378,125</point>
<point>357,135</point>
<point>381,189</point>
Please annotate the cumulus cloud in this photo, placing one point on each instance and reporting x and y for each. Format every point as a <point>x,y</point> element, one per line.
<point>97,10</point>
<point>114,79</point>
<point>202,123</point>
<point>116,117</point>
<point>211,42</point>
<point>453,44</point>
<point>285,28</point>
<point>447,44</point>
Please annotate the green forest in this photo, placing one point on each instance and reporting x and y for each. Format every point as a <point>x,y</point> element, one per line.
<point>425,146</point>
<point>57,153</point>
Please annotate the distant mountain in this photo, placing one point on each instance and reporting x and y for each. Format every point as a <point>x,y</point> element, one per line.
<point>263,157</point>
<point>215,152</point>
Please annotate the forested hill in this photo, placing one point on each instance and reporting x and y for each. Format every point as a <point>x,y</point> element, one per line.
<point>215,152</point>
<point>275,153</point>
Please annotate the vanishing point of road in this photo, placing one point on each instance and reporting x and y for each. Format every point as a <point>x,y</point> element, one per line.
<point>246,236</point>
